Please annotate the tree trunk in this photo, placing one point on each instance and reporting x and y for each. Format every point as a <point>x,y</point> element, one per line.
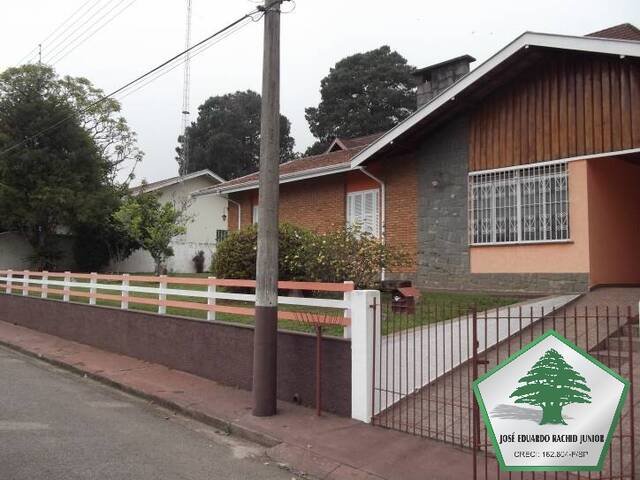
<point>552,414</point>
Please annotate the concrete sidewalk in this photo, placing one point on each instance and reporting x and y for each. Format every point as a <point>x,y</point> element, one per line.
<point>328,447</point>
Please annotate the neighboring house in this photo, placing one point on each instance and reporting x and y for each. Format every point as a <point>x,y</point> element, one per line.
<point>522,175</point>
<point>208,225</point>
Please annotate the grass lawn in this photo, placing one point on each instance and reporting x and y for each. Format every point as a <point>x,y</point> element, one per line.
<point>432,307</point>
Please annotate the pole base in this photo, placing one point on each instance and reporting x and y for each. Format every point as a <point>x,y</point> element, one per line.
<point>265,362</point>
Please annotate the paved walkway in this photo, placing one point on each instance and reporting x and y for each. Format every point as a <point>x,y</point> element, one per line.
<point>328,447</point>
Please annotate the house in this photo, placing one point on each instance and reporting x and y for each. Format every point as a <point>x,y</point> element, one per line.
<point>520,175</point>
<point>207,226</point>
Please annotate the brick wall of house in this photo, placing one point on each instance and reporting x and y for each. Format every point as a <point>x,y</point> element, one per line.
<point>401,182</point>
<point>317,204</point>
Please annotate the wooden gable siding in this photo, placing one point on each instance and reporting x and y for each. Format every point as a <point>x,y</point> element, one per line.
<point>566,106</point>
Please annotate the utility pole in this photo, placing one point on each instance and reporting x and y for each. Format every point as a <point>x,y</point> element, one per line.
<point>265,340</point>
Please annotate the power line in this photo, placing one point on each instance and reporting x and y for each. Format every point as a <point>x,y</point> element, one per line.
<point>169,68</point>
<point>61,55</point>
<point>138,79</point>
<point>35,49</point>
<point>62,44</point>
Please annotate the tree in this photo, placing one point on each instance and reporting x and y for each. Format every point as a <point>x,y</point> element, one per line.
<point>152,224</point>
<point>551,384</point>
<point>226,136</point>
<point>59,160</point>
<point>363,94</point>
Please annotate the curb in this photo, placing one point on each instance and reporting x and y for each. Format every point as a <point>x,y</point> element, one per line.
<point>217,422</point>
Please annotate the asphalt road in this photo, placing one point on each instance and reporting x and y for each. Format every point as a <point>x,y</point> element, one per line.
<point>55,425</point>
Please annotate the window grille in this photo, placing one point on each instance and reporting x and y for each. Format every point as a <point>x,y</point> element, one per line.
<point>362,210</point>
<point>221,235</point>
<point>528,204</point>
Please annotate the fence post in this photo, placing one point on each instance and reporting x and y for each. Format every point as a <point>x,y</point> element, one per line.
<point>66,288</point>
<point>163,296</point>
<point>346,331</point>
<point>45,279</point>
<point>211,299</point>
<point>9,276</point>
<point>92,289</point>
<point>124,304</point>
<point>25,283</point>
<point>365,329</point>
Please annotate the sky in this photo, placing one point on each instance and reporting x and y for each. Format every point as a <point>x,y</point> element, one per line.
<point>314,36</point>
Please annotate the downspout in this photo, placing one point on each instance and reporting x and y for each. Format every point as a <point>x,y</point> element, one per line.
<point>239,211</point>
<point>383,201</point>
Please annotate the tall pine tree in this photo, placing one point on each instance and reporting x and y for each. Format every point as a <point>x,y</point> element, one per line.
<point>551,384</point>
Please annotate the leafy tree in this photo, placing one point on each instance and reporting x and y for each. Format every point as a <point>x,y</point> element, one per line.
<point>316,148</point>
<point>152,224</point>
<point>58,165</point>
<point>551,384</point>
<point>226,136</point>
<point>364,93</point>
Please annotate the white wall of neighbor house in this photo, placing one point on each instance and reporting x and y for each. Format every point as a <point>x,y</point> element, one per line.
<point>207,214</point>
<point>15,252</point>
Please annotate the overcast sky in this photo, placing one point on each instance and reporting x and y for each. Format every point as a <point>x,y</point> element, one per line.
<point>314,36</point>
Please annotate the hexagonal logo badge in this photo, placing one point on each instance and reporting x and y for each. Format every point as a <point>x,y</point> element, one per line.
<point>551,407</point>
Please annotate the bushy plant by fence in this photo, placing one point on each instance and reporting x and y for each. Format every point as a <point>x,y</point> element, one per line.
<point>344,254</point>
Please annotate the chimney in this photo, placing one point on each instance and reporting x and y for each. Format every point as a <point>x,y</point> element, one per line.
<point>434,79</point>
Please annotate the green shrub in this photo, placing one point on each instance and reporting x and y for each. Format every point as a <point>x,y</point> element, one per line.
<point>235,256</point>
<point>344,254</point>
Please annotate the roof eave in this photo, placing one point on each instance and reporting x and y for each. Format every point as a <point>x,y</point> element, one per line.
<point>286,178</point>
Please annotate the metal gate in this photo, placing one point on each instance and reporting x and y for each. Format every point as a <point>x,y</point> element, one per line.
<point>427,361</point>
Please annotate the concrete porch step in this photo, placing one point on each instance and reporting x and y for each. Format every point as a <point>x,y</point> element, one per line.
<point>613,359</point>
<point>632,329</point>
<point>624,344</point>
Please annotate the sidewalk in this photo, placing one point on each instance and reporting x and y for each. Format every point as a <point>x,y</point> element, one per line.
<point>328,447</point>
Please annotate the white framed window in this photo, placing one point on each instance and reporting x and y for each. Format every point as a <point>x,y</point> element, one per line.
<point>254,214</point>
<point>519,205</point>
<point>363,210</point>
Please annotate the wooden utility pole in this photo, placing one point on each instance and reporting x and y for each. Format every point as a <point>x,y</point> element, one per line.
<point>266,331</point>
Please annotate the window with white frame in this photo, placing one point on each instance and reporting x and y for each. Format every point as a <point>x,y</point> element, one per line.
<point>254,214</point>
<point>519,205</point>
<point>362,210</point>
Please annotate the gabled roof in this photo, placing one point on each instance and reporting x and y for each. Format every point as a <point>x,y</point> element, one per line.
<point>150,187</point>
<point>448,98</point>
<point>347,143</point>
<point>294,170</point>
<point>624,31</point>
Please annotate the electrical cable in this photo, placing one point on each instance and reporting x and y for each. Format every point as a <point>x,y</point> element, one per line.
<point>60,56</point>
<point>35,49</point>
<point>159,67</point>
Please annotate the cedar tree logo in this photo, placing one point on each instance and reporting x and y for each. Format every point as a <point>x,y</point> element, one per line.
<point>551,384</point>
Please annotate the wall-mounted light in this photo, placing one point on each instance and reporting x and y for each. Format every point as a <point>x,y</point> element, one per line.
<point>435,183</point>
<point>224,217</point>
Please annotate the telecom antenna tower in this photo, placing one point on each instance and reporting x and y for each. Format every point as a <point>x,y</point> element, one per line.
<point>185,93</point>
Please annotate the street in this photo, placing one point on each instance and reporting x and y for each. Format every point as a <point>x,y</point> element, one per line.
<point>55,425</point>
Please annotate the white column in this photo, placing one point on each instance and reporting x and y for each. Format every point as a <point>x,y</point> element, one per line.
<point>163,296</point>
<point>93,290</point>
<point>365,329</point>
<point>66,287</point>
<point>211,299</point>
<point>9,276</point>
<point>346,331</point>
<point>45,279</point>
<point>25,283</point>
<point>124,304</point>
